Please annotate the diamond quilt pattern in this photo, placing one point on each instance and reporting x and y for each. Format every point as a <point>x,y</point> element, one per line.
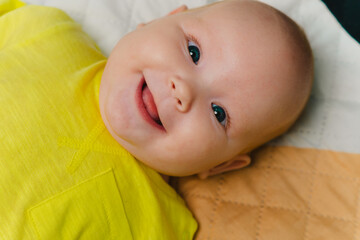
<point>287,193</point>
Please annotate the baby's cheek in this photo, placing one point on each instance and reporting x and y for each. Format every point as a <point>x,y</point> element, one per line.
<point>202,151</point>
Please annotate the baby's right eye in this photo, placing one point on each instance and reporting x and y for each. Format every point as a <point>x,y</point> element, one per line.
<point>194,51</point>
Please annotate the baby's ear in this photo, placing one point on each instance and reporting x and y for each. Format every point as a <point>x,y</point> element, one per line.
<point>237,162</point>
<point>182,8</point>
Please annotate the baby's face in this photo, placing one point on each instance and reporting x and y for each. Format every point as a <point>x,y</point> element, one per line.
<point>192,90</point>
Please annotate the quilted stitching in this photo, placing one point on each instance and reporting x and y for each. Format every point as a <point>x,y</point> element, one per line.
<point>279,198</point>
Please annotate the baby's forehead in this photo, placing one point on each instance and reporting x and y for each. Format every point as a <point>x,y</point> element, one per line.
<point>253,57</point>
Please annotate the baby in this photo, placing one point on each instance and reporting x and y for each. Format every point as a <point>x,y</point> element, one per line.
<point>84,138</point>
<point>196,91</point>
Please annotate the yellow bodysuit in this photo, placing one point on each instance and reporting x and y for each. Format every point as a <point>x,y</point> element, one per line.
<point>62,175</point>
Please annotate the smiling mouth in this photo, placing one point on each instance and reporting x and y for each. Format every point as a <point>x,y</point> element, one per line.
<point>147,106</point>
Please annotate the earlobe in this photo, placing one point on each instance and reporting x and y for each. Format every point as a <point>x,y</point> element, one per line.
<point>182,8</point>
<point>239,161</point>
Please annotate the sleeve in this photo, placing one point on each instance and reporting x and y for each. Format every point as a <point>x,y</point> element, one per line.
<point>24,25</point>
<point>9,5</point>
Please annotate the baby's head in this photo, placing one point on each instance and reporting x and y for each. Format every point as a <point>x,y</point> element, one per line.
<point>197,90</point>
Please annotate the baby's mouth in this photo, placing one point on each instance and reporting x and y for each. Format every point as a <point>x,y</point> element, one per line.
<point>150,105</point>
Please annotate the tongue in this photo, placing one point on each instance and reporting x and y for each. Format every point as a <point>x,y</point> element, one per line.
<point>150,104</point>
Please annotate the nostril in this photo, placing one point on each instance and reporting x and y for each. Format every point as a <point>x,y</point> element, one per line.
<point>173,85</point>
<point>179,102</point>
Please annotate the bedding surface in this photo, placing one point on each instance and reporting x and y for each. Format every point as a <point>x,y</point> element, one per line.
<point>303,185</point>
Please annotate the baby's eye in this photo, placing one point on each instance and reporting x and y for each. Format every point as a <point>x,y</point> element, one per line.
<point>220,114</point>
<point>194,52</point>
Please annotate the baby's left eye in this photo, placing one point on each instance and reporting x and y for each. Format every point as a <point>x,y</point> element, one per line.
<point>220,114</point>
<point>194,51</point>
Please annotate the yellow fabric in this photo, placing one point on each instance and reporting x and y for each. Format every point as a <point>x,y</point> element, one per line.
<point>287,193</point>
<point>62,176</point>
<point>9,5</point>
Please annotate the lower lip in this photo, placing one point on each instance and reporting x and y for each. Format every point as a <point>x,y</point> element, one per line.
<point>140,104</point>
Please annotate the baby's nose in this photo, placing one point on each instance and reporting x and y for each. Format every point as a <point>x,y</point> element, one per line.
<point>182,93</point>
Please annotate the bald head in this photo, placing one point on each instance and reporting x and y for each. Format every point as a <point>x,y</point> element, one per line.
<point>293,91</point>
<point>279,66</point>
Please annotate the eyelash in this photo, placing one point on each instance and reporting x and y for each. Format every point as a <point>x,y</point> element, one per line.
<point>192,38</point>
<point>228,123</point>
<point>195,40</point>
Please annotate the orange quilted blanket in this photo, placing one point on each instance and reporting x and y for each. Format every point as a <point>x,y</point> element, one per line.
<point>287,193</point>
